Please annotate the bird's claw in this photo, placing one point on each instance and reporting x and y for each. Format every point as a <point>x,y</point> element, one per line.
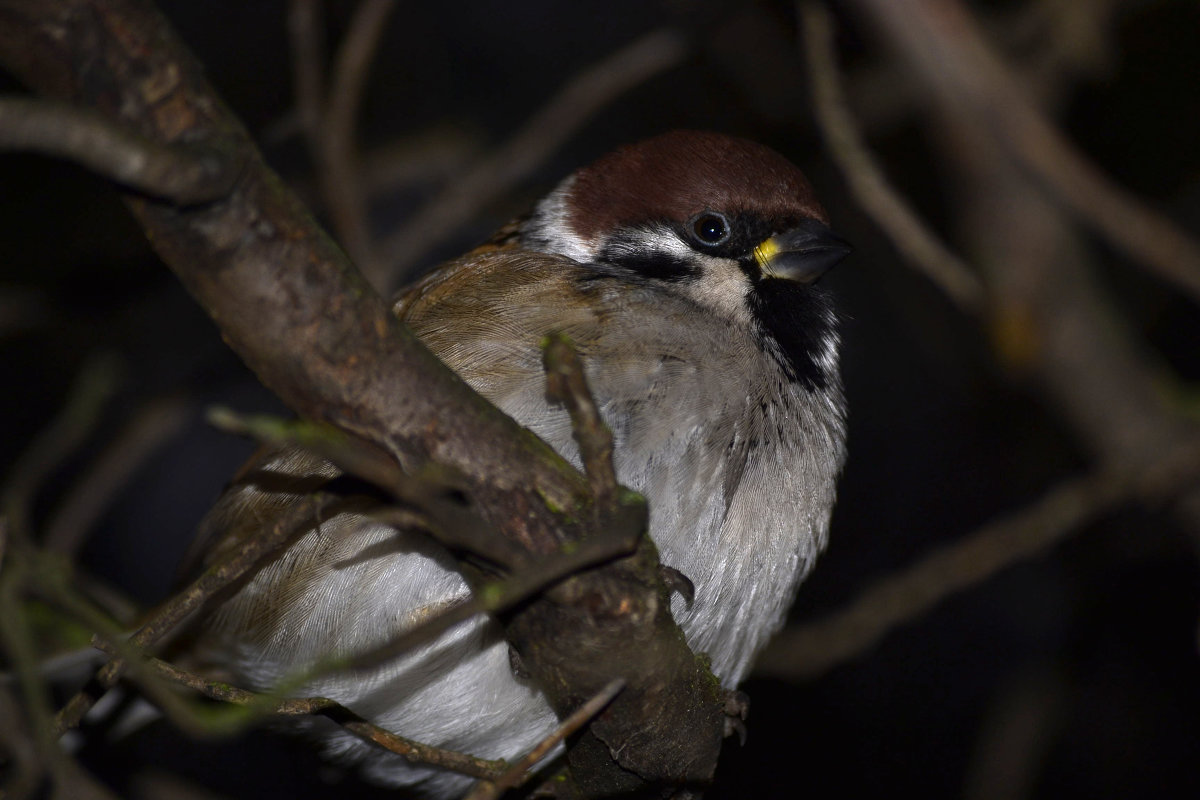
<point>677,582</point>
<point>737,710</point>
<point>516,665</point>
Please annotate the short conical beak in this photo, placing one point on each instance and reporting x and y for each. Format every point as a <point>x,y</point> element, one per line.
<point>802,254</point>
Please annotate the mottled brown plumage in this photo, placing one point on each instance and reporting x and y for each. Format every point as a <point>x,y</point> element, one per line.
<point>666,264</point>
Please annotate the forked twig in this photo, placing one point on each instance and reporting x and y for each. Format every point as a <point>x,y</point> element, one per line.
<point>94,387</point>
<point>231,568</point>
<point>810,650</point>
<point>566,383</point>
<point>576,102</point>
<point>942,40</point>
<point>181,173</point>
<point>919,245</point>
<point>449,521</point>
<point>515,775</point>
<point>341,178</point>
<point>321,706</point>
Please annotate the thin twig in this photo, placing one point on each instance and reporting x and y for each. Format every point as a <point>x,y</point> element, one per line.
<point>919,245</point>
<point>810,650</point>
<point>451,523</point>
<point>495,597</point>
<point>17,644</point>
<point>306,40</point>
<point>580,99</point>
<point>436,491</point>
<point>167,616</point>
<point>266,704</point>
<point>518,773</point>
<point>353,455</point>
<point>338,166</point>
<point>566,383</point>
<point>181,173</point>
<point>22,762</point>
<point>94,387</point>
<point>941,39</point>
<point>129,449</point>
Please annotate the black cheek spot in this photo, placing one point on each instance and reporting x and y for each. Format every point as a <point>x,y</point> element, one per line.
<point>653,264</point>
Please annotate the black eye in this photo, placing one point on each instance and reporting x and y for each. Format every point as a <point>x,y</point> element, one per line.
<point>710,228</point>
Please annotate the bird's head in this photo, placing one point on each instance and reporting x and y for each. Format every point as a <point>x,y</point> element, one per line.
<point>724,221</point>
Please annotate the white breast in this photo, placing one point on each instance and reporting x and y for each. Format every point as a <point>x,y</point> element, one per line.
<point>737,463</point>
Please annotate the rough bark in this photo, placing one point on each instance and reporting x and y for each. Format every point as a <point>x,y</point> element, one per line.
<point>298,313</point>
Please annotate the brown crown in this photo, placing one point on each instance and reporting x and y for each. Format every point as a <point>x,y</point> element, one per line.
<point>679,174</point>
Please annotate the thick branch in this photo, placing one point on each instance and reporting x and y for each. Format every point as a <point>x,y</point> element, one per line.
<point>314,331</point>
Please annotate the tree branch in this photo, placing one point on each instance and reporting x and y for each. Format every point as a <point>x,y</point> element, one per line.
<point>919,245</point>
<point>338,168</point>
<point>566,384</point>
<point>515,775</point>
<point>225,573</point>
<point>415,752</point>
<point>940,40</point>
<point>185,174</point>
<point>577,101</point>
<point>810,650</point>
<point>315,333</point>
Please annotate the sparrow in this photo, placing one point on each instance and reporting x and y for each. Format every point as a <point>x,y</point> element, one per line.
<point>684,269</point>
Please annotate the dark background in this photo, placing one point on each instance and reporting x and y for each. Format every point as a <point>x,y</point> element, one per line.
<point>1070,675</point>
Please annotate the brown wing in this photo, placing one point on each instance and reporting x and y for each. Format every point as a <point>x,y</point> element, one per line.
<point>466,312</point>
<point>486,314</point>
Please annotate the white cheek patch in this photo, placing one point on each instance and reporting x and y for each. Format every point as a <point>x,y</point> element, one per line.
<point>719,285</point>
<point>722,287</point>
<point>659,239</point>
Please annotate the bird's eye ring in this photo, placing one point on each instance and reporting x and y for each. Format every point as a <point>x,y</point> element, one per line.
<point>710,228</point>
